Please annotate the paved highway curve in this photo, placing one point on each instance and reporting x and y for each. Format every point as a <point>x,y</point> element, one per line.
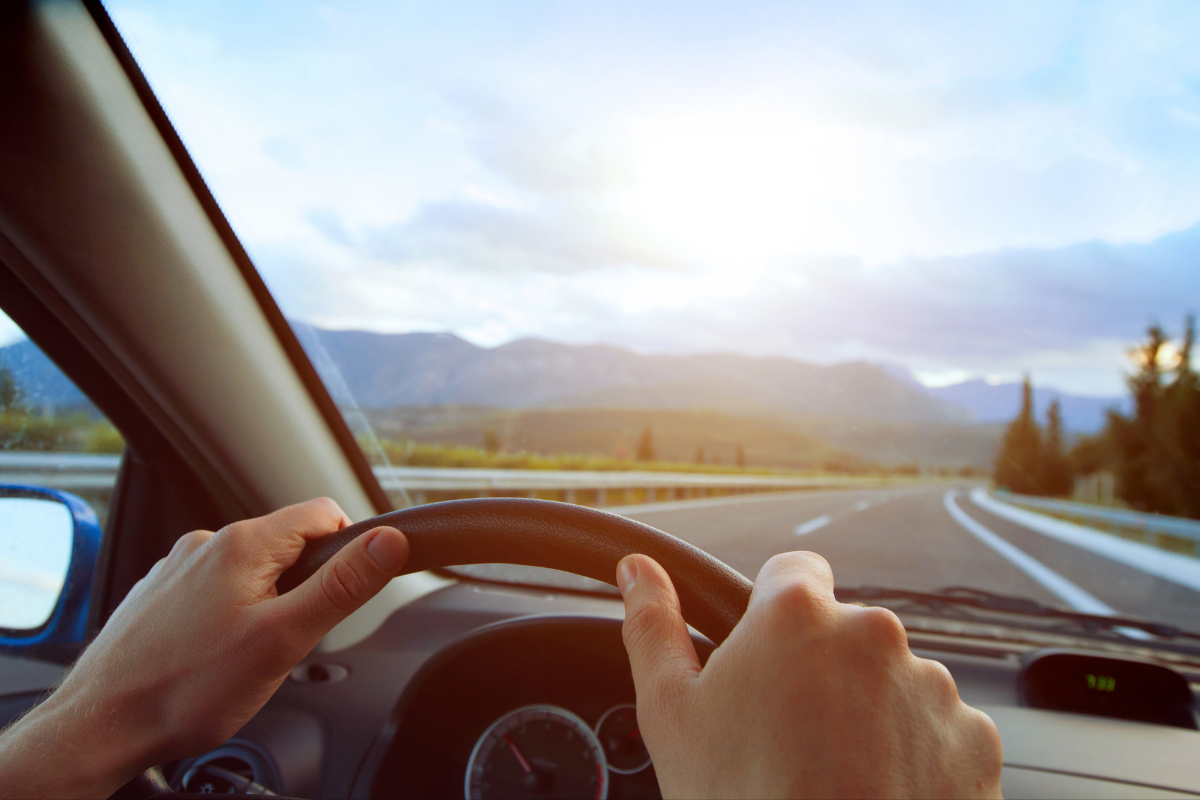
<point>908,538</point>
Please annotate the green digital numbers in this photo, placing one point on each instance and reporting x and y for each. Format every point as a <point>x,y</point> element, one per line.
<point>1101,683</point>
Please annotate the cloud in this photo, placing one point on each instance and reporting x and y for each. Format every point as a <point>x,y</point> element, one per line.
<point>560,237</point>
<point>543,155</point>
<point>547,206</point>
<point>1067,313</point>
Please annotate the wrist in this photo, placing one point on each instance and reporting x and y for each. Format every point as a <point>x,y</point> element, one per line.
<point>66,747</point>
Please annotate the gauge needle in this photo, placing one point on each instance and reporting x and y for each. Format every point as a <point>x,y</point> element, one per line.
<point>516,752</point>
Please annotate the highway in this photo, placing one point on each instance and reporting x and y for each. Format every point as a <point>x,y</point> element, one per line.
<point>911,538</point>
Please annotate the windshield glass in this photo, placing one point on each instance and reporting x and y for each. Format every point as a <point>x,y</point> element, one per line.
<point>882,281</point>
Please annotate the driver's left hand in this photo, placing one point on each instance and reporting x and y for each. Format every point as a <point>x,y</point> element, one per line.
<point>193,652</point>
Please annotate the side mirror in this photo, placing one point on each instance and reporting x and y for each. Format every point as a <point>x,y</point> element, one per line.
<point>48,546</point>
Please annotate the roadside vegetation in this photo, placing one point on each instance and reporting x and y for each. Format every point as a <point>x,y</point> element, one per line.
<point>410,453</point>
<point>1152,456</point>
<point>24,427</point>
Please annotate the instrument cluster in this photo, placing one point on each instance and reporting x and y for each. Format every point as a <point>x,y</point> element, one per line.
<point>537,708</point>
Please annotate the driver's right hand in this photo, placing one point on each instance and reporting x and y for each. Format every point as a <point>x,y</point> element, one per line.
<point>808,697</point>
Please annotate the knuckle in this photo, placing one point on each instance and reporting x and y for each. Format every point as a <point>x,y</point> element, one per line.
<point>341,586</point>
<point>327,507</point>
<point>797,561</point>
<point>799,599</point>
<point>883,631</point>
<point>988,745</point>
<point>191,541</point>
<point>232,538</point>
<point>939,681</point>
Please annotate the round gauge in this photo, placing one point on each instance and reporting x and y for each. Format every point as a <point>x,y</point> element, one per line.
<point>540,752</point>
<point>621,739</point>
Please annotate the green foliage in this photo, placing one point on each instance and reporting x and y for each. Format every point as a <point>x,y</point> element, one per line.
<point>1156,452</point>
<point>11,395</point>
<point>1019,463</point>
<point>1091,454</point>
<point>645,447</point>
<point>1056,477</point>
<point>22,429</point>
<point>102,437</point>
<point>414,454</point>
<point>1033,461</point>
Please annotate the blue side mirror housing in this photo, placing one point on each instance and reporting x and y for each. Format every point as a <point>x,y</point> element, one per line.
<point>49,542</point>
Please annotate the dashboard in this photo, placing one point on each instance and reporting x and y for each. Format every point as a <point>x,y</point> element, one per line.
<point>482,690</point>
<point>532,708</point>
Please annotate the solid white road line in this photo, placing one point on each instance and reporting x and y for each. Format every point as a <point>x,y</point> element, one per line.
<point>812,525</point>
<point>1171,567</point>
<point>1059,586</point>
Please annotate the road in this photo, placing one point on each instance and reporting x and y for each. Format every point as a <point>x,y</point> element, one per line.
<point>908,538</point>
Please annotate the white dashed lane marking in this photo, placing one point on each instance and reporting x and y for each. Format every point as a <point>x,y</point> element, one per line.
<point>812,525</point>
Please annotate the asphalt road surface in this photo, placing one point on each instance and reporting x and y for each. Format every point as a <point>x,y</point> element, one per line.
<point>908,538</point>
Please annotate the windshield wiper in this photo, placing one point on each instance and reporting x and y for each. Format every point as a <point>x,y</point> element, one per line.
<point>966,597</point>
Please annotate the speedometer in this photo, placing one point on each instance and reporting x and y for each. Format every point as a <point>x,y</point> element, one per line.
<point>539,752</point>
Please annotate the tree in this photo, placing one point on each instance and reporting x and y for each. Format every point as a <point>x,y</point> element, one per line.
<point>1018,465</point>
<point>491,442</point>
<point>740,454</point>
<point>1157,451</point>
<point>645,447</point>
<point>699,455</point>
<point>12,397</point>
<point>1056,478</point>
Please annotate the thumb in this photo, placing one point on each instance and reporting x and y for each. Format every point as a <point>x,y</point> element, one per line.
<point>660,648</point>
<point>345,582</point>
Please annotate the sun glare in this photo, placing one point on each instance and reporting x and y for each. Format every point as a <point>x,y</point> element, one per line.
<point>733,186</point>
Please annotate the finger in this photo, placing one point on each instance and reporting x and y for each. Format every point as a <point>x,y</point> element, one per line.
<point>796,573</point>
<point>311,519</point>
<point>660,649</point>
<point>343,584</point>
<point>276,540</point>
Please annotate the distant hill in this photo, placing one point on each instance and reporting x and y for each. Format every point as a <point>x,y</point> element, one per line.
<point>431,369</point>
<point>1000,403</point>
<point>40,380</point>
<point>780,439</point>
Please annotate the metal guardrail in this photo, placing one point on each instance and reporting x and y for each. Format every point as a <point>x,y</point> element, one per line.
<point>75,471</point>
<point>1149,527</point>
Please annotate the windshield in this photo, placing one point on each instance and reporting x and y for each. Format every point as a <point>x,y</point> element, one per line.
<point>904,284</point>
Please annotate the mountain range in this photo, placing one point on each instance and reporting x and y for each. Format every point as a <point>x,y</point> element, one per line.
<point>378,370</point>
<point>429,369</point>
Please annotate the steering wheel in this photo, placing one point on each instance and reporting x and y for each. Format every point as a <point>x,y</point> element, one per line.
<point>534,533</point>
<point>542,533</point>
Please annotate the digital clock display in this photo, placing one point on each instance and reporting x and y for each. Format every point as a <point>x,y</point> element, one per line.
<point>1103,686</point>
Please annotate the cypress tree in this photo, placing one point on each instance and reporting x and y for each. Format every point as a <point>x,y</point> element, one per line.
<point>1056,473</point>
<point>645,448</point>
<point>1018,465</point>
<point>1158,449</point>
<point>11,396</point>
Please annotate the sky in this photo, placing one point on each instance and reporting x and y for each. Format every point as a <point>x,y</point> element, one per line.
<point>962,189</point>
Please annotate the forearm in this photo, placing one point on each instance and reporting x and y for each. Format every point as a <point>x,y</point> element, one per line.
<point>61,750</point>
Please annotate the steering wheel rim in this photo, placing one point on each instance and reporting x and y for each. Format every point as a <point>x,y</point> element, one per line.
<point>543,533</point>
